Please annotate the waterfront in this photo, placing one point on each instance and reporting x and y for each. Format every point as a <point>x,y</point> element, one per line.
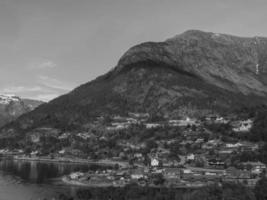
<point>30,180</point>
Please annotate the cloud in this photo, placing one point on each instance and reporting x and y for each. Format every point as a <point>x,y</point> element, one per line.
<point>54,83</point>
<point>20,89</point>
<point>43,65</point>
<point>36,92</point>
<point>46,89</point>
<point>45,97</point>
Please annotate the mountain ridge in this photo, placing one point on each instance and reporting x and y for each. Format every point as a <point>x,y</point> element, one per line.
<point>178,51</point>
<point>12,106</point>
<point>194,73</point>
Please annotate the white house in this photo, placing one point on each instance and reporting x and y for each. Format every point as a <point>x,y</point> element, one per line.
<point>256,167</point>
<point>230,145</point>
<point>190,157</point>
<point>183,122</point>
<point>137,174</point>
<point>76,175</point>
<point>154,162</point>
<point>34,153</point>
<point>152,125</point>
<point>62,151</point>
<point>243,126</point>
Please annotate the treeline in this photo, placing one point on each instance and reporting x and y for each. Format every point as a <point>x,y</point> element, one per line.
<point>226,191</point>
<point>258,133</point>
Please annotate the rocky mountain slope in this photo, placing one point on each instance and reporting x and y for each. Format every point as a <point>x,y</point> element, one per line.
<point>193,73</point>
<point>12,107</point>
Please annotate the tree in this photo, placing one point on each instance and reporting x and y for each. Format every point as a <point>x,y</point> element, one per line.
<point>237,192</point>
<point>259,128</point>
<point>151,144</point>
<point>260,189</point>
<point>28,150</point>
<point>158,179</point>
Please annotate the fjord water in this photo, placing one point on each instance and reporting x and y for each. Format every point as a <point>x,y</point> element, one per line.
<point>24,180</point>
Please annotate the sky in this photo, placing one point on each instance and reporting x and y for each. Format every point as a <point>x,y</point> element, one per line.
<point>49,47</point>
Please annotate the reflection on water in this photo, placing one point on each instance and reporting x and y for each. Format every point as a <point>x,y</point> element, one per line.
<point>40,172</point>
<point>22,180</point>
<point>36,180</point>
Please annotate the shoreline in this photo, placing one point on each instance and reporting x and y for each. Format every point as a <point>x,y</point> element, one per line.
<point>78,183</point>
<point>73,161</point>
<point>66,180</point>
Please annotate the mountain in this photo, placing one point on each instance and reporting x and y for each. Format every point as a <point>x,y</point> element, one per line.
<point>12,107</point>
<point>31,103</point>
<point>193,73</point>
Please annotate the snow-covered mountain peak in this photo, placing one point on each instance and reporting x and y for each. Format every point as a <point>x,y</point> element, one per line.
<point>6,99</point>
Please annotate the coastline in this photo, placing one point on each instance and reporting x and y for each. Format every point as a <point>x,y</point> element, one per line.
<point>78,183</point>
<point>66,180</point>
<point>67,160</point>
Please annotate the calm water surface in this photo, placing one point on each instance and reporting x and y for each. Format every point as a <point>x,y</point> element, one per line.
<point>24,180</point>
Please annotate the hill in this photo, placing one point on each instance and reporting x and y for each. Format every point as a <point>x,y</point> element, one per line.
<point>192,74</point>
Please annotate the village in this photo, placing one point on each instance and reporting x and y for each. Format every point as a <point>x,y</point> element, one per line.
<point>175,153</point>
<point>192,155</point>
<point>208,160</point>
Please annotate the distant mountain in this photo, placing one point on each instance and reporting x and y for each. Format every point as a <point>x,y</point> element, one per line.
<point>193,73</point>
<point>31,103</point>
<point>12,107</point>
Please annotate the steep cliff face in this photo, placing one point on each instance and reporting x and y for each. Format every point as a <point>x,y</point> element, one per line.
<point>190,74</point>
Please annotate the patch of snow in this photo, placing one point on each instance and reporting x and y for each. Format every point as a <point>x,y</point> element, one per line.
<point>6,99</point>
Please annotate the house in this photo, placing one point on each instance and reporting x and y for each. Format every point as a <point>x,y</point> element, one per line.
<point>172,173</point>
<point>221,120</point>
<point>35,138</point>
<point>64,136</point>
<point>154,162</point>
<point>232,172</point>
<point>239,176</point>
<point>34,153</point>
<point>156,171</point>
<point>210,118</point>
<point>207,171</point>
<point>137,173</point>
<point>174,122</point>
<point>211,144</point>
<point>118,126</point>
<point>217,163</point>
<point>62,151</point>
<point>255,167</point>
<point>162,152</point>
<point>243,146</point>
<point>186,171</point>
<point>199,141</point>
<point>225,151</point>
<point>183,122</point>
<point>243,126</point>
<point>248,146</point>
<point>138,155</point>
<point>231,145</point>
<point>76,175</point>
<point>190,157</point>
<point>152,125</point>
<point>141,116</point>
<point>84,136</point>
<point>169,163</point>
